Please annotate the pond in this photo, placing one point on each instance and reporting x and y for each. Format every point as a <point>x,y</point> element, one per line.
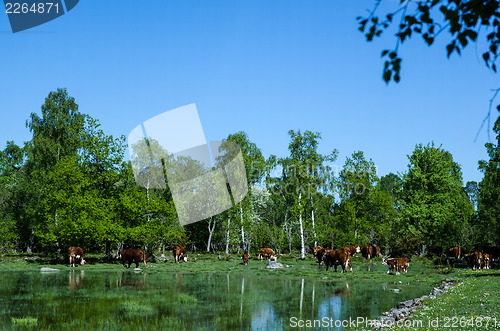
<point>114,300</point>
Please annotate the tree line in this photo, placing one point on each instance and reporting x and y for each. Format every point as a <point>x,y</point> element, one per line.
<point>70,185</point>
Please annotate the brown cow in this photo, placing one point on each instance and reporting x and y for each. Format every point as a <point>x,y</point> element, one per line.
<point>351,249</point>
<point>132,255</point>
<point>179,254</point>
<point>75,253</point>
<point>402,264</point>
<point>455,252</point>
<point>265,253</point>
<point>486,261</point>
<point>244,257</point>
<point>393,264</point>
<point>321,254</point>
<point>376,251</point>
<point>367,252</point>
<point>475,259</point>
<point>318,252</point>
<point>337,257</point>
<point>492,251</point>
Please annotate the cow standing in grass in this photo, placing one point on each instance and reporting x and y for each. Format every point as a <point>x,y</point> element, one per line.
<point>244,257</point>
<point>74,254</point>
<point>132,255</point>
<point>337,257</point>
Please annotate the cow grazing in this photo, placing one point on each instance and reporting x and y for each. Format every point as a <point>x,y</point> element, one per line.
<point>455,252</point>
<point>244,257</point>
<point>367,252</point>
<point>337,257</point>
<point>486,261</point>
<point>179,254</point>
<point>132,255</point>
<point>266,253</point>
<point>351,249</point>
<point>75,253</point>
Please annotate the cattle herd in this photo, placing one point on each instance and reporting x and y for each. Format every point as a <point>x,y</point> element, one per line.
<point>330,257</point>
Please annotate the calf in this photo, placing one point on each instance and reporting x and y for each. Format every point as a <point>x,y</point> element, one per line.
<point>337,257</point>
<point>351,249</point>
<point>75,253</point>
<point>244,257</point>
<point>132,255</point>
<point>179,254</point>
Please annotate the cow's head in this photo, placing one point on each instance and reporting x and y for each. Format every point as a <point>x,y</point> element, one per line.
<point>185,258</point>
<point>119,254</point>
<point>358,249</point>
<point>82,261</point>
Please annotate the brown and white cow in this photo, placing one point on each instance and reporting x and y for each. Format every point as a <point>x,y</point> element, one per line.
<point>391,263</point>
<point>244,257</point>
<point>402,264</point>
<point>474,259</point>
<point>179,254</point>
<point>368,252</point>
<point>486,261</point>
<point>337,257</point>
<point>351,249</point>
<point>75,253</point>
<point>455,252</point>
<point>132,255</point>
<point>266,253</point>
<point>318,252</point>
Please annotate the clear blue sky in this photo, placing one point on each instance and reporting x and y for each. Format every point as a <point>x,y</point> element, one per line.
<point>264,67</point>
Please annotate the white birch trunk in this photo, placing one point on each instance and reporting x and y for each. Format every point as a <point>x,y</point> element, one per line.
<point>302,244</point>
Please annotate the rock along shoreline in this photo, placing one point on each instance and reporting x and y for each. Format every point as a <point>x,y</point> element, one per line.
<point>404,309</point>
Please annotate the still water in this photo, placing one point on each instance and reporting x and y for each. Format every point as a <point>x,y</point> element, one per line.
<point>124,300</point>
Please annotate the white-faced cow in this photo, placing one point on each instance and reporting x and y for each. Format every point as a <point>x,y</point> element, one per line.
<point>74,254</point>
<point>132,255</point>
<point>179,254</point>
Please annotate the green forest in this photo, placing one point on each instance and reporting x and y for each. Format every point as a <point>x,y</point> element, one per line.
<point>71,185</point>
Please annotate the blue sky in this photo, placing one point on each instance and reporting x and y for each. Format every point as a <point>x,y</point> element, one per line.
<point>263,67</point>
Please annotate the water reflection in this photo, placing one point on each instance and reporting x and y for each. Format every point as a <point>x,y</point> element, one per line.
<point>117,300</point>
<point>75,280</point>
